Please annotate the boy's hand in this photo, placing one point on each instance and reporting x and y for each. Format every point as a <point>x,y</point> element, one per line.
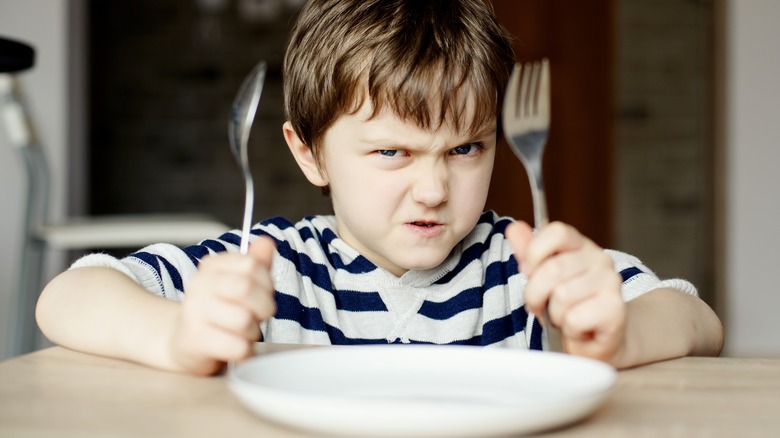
<point>227,299</point>
<point>577,281</point>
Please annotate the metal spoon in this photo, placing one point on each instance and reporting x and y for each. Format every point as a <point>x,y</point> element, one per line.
<point>240,123</point>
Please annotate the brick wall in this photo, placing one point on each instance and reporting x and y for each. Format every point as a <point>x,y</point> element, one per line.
<point>163,77</point>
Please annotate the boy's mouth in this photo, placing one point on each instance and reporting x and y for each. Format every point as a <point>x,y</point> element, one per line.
<point>425,224</point>
<point>426,229</point>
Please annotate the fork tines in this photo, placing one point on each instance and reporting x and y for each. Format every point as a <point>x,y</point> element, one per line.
<point>530,84</point>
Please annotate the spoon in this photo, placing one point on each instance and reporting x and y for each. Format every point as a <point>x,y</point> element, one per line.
<point>241,117</point>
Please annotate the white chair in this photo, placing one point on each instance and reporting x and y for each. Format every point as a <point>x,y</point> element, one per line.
<point>83,233</point>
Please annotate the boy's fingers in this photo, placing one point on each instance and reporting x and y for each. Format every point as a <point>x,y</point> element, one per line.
<point>556,273</point>
<point>224,346</point>
<point>571,292</point>
<point>554,238</point>
<point>263,249</point>
<point>233,318</point>
<point>519,234</point>
<point>595,329</point>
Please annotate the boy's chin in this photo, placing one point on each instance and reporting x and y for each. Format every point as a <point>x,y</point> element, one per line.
<point>412,259</point>
<point>423,264</point>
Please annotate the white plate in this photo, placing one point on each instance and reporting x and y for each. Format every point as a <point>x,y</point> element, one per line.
<point>416,390</point>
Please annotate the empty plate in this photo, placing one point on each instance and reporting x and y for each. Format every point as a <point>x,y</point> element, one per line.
<point>421,390</point>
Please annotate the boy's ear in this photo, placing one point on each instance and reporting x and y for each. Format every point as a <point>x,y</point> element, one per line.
<point>304,157</point>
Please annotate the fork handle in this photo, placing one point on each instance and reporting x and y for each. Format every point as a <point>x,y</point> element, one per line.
<point>552,333</point>
<point>538,196</point>
<point>540,207</point>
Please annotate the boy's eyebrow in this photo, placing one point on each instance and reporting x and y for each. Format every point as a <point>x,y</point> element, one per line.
<point>490,129</point>
<point>379,140</point>
<point>382,137</point>
<point>487,130</point>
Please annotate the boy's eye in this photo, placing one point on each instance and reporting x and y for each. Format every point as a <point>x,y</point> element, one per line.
<point>389,152</point>
<point>466,149</point>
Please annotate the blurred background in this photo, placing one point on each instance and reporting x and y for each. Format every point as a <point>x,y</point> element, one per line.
<point>661,146</point>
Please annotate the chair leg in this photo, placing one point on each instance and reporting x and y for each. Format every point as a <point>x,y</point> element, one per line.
<point>25,331</point>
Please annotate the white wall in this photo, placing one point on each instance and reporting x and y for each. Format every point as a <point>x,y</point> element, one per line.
<point>41,23</point>
<point>752,165</point>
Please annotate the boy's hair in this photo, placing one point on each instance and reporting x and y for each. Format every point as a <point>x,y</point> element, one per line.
<point>423,59</point>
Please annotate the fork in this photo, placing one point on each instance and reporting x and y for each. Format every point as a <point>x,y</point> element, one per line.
<point>526,119</point>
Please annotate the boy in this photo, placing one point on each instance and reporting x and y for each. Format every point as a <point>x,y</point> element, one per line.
<point>392,109</point>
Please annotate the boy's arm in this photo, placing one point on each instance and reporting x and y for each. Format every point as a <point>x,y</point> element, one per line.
<point>102,311</point>
<point>576,281</point>
<point>667,323</point>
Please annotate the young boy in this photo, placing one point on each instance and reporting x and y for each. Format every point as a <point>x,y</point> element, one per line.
<point>392,109</point>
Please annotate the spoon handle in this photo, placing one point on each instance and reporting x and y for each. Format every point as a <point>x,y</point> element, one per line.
<point>249,201</point>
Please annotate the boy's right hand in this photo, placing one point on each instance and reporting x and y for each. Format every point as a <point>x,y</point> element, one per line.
<point>219,319</point>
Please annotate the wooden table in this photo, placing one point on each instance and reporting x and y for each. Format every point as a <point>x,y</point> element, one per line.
<point>58,392</point>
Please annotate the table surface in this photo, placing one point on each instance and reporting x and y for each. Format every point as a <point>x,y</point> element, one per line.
<point>58,392</point>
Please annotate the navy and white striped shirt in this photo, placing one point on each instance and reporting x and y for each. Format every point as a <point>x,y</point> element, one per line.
<point>327,293</point>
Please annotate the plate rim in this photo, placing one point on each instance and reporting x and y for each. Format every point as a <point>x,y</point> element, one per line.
<point>242,387</point>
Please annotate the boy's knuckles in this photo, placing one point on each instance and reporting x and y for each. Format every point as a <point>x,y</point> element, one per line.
<point>266,310</point>
<point>614,282</point>
<point>566,294</point>
<point>562,232</point>
<point>607,282</point>
<point>554,268</point>
<point>248,265</point>
<point>601,258</point>
<point>234,349</point>
<point>535,301</point>
<point>265,282</point>
<point>242,349</point>
<point>579,322</point>
<point>617,307</point>
<point>241,322</point>
<point>556,312</point>
<point>241,288</point>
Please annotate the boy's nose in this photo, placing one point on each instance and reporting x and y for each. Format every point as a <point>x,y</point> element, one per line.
<point>431,187</point>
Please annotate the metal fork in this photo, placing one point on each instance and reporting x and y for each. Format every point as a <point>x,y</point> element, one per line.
<point>526,119</point>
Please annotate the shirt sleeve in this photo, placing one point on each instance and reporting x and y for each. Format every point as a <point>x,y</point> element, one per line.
<point>163,269</point>
<point>638,279</point>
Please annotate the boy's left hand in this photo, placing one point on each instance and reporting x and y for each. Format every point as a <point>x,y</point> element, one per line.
<point>576,280</point>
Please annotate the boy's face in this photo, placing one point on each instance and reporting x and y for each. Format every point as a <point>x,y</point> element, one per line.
<point>403,196</point>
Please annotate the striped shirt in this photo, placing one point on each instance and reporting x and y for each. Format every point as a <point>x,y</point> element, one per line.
<point>327,293</point>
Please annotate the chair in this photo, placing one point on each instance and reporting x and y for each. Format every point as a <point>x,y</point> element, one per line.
<point>40,234</point>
